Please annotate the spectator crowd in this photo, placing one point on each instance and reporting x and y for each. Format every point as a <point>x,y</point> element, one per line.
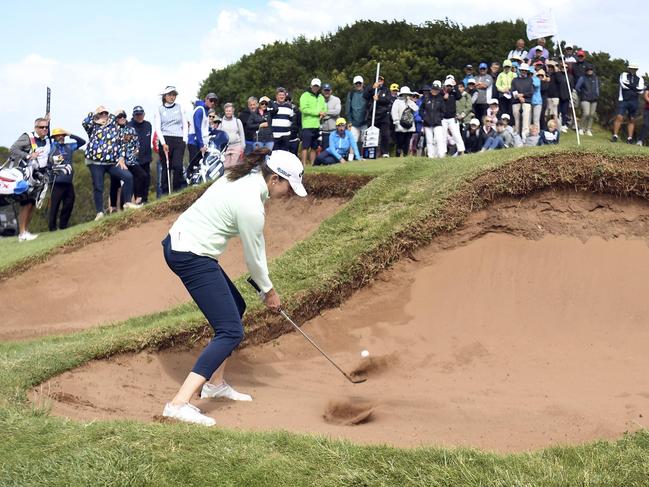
<point>526,99</point>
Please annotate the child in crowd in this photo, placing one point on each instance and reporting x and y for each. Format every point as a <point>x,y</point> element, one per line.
<point>533,138</point>
<point>492,111</point>
<point>551,135</point>
<point>502,140</point>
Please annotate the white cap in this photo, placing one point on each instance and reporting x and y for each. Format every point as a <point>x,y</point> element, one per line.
<point>493,101</point>
<point>405,91</point>
<point>437,84</point>
<point>450,76</point>
<point>358,78</point>
<point>524,67</point>
<point>474,121</point>
<point>169,89</point>
<point>449,82</point>
<point>316,82</point>
<point>633,66</point>
<point>286,165</point>
<point>506,115</point>
<point>470,80</point>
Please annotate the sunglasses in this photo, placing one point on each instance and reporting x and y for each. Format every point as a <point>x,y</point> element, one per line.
<point>118,117</point>
<point>42,126</point>
<point>102,114</point>
<point>264,103</point>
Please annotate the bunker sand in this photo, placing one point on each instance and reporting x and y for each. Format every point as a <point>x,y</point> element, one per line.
<point>524,329</point>
<point>126,276</point>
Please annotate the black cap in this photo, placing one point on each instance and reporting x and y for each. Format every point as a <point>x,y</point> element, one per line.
<point>138,110</point>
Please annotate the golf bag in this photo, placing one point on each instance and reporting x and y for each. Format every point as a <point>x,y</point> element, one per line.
<point>24,181</point>
<point>208,167</point>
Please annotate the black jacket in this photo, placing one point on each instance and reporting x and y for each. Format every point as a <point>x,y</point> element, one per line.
<point>472,141</point>
<point>250,133</point>
<point>484,136</point>
<point>383,104</point>
<point>432,110</point>
<point>252,124</point>
<point>559,79</point>
<point>144,133</point>
<point>450,109</point>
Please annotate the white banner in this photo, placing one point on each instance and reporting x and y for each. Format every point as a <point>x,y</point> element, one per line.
<point>541,25</point>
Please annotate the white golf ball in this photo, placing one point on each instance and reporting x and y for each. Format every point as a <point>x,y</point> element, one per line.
<point>365,354</point>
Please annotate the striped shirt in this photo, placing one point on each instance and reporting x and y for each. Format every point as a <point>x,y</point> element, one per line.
<point>282,120</point>
<point>171,121</point>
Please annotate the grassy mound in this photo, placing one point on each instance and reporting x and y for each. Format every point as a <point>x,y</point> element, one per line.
<point>399,210</point>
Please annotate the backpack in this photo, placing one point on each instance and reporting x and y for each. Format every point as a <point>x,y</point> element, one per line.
<point>407,119</point>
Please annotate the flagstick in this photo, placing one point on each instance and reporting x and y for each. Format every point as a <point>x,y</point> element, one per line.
<point>565,70</point>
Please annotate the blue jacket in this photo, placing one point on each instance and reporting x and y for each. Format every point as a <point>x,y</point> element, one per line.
<point>64,151</point>
<point>339,146</point>
<point>197,137</point>
<point>144,133</point>
<point>536,97</point>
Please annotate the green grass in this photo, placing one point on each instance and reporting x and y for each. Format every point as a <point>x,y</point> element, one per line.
<point>38,449</point>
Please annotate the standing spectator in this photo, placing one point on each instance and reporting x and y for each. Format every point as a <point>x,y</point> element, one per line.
<point>416,141</point>
<point>552,92</point>
<point>394,92</point>
<point>382,118</point>
<point>579,67</point>
<point>313,107</point>
<point>545,54</point>
<point>545,84</point>
<point>522,91</point>
<point>471,137</point>
<point>519,52</point>
<point>450,124</point>
<point>588,90</point>
<point>631,85</point>
<point>645,119</point>
<point>565,93</point>
<point>483,85</point>
<point>463,106</point>
<point>294,137</point>
<point>356,109</point>
<point>105,154</point>
<point>144,130</point>
<point>341,143</point>
<point>537,99</point>
<point>568,55</point>
<point>494,72</point>
<point>259,122</point>
<point>328,122</point>
<point>403,133</point>
<point>468,74</point>
<point>232,126</point>
<point>536,56</point>
<point>250,131</point>
<point>129,138</point>
<point>281,120</point>
<point>32,148</point>
<point>432,113</point>
<point>198,138</point>
<point>172,128</point>
<point>504,87</point>
<point>62,183</point>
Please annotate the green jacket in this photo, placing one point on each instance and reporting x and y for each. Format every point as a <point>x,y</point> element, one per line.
<point>311,105</point>
<point>504,81</point>
<point>464,105</point>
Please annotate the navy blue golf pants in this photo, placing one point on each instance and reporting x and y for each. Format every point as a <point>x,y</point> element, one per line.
<point>218,299</point>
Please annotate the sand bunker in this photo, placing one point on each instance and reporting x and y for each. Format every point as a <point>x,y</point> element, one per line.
<point>526,328</point>
<point>126,276</point>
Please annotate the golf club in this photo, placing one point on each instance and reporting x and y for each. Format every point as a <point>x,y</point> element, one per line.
<point>353,380</point>
<point>166,151</point>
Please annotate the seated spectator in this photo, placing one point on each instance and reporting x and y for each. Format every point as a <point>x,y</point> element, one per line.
<point>62,184</point>
<point>502,140</point>
<point>551,135</point>
<point>472,138</point>
<point>587,88</point>
<point>533,138</point>
<point>487,131</point>
<point>519,52</point>
<point>493,111</point>
<point>506,119</point>
<point>341,146</point>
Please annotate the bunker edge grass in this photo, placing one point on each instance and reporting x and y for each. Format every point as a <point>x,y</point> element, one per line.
<point>394,211</point>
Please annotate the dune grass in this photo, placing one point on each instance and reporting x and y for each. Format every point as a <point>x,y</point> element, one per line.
<point>38,449</point>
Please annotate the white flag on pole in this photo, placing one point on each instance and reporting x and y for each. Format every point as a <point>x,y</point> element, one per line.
<point>541,25</point>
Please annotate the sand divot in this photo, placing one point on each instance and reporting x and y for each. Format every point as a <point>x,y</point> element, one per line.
<point>348,412</point>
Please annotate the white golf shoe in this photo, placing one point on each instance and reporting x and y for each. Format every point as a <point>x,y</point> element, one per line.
<point>223,390</point>
<point>26,237</point>
<point>187,413</point>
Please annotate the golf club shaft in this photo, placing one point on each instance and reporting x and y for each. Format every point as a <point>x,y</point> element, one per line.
<point>168,171</point>
<point>314,344</point>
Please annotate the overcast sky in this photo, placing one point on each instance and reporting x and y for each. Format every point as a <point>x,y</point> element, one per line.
<point>122,53</point>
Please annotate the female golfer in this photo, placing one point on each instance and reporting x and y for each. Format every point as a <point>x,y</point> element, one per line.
<point>233,205</point>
